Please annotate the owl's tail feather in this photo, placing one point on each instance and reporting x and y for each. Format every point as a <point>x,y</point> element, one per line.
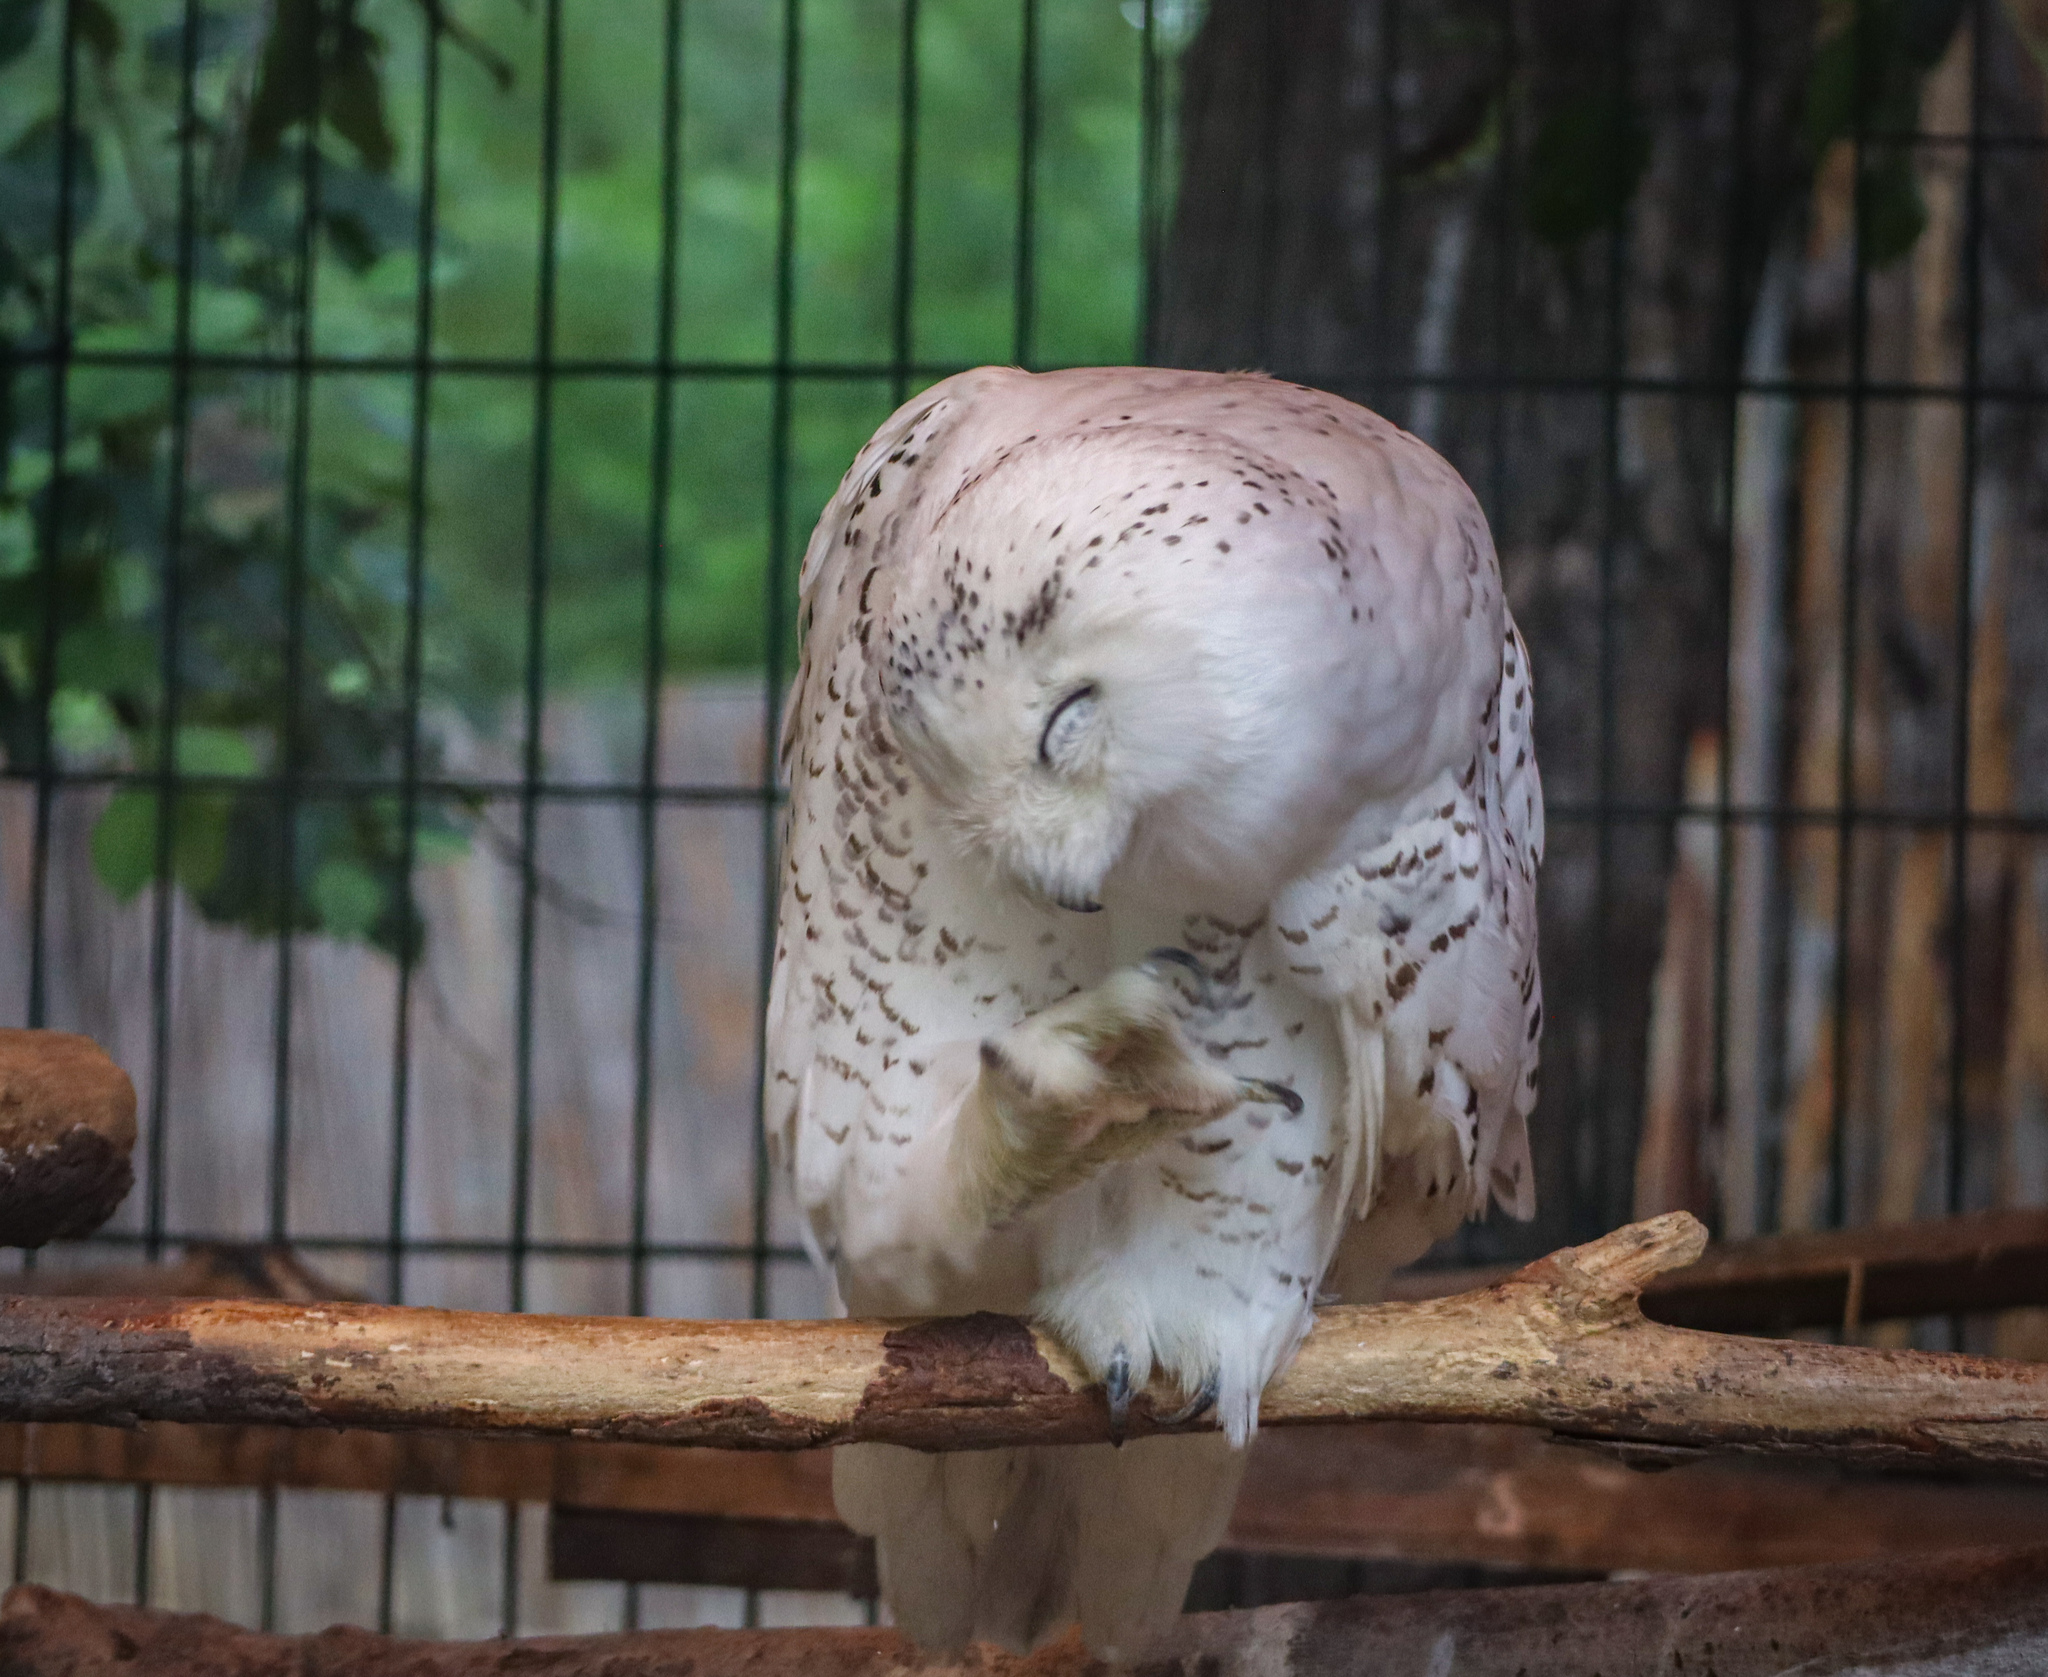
<point>1012,1546</point>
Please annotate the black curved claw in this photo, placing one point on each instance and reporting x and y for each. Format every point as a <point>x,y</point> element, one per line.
<point>1197,1406</point>
<point>1273,1094</point>
<point>1181,958</point>
<point>1116,1385</point>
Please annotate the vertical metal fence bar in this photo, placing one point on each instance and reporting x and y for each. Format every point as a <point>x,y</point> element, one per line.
<point>1740,245</point>
<point>1600,1214</point>
<point>171,673</point>
<point>775,610</point>
<point>51,536</point>
<point>903,279</point>
<point>1505,246</point>
<point>655,670</point>
<point>387,1544</point>
<point>1979,19</point>
<point>1149,212</point>
<point>412,657</point>
<point>50,541</point>
<point>166,775</point>
<point>646,803</point>
<point>1025,285</point>
<point>1387,228</point>
<point>774,594</point>
<point>290,743</point>
<point>539,507</point>
<point>1272,115</point>
<point>266,1558</point>
<point>1846,816</point>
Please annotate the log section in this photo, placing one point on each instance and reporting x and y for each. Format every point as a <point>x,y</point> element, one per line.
<point>67,1127</point>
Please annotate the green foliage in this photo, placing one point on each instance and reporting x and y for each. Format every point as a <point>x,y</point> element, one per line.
<point>1866,81</point>
<point>210,635</point>
<point>1584,166</point>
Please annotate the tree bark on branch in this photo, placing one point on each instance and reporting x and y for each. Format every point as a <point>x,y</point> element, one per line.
<point>1956,1615</point>
<point>1562,1344</point>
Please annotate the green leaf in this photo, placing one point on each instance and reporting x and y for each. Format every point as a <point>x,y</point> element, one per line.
<point>124,843</point>
<point>353,97</point>
<point>348,898</point>
<point>365,214</point>
<point>17,542</point>
<point>214,751</point>
<point>285,81</point>
<point>199,838</point>
<point>30,179</point>
<point>1893,214</point>
<point>18,23</point>
<point>98,28</point>
<point>83,724</point>
<point>1584,166</point>
<point>104,657</point>
<point>342,82</point>
<point>432,846</point>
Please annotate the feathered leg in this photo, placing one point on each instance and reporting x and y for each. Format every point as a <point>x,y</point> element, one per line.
<point>1011,1546</point>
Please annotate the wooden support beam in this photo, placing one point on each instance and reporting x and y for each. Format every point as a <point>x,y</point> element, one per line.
<point>764,1485</point>
<point>608,1546</point>
<point>67,1127</point>
<point>1985,1261</point>
<point>1960,1615</point>
<point>1561,1344</point>
<point>206,1269</point>
<point>1504,1496</point>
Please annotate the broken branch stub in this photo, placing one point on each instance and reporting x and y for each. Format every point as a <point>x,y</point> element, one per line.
<point>1561,1344</point>
<point>67,1127</point>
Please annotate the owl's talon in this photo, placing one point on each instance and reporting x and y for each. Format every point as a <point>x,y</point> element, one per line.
<point>1272,1094</point>
<point>1197,1406</point>
<point>1116,1386</point>
<point>1181,958</point>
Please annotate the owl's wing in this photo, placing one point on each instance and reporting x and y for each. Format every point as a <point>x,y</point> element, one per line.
<point>1424,944</point>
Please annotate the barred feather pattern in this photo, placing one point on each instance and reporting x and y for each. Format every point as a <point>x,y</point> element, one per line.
<point>1358,766</point>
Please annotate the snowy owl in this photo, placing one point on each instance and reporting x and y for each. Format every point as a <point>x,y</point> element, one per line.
<point>1158,931</point>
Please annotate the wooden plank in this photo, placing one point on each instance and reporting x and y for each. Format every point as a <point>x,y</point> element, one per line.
<point>1454,1494</point>
<point>1957,1616</point>
<point>779,1485</point>
<point>709,1550</point>
<point>1508,1496</point>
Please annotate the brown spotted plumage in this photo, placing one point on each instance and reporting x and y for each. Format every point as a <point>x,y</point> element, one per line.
<point>1227,660</point>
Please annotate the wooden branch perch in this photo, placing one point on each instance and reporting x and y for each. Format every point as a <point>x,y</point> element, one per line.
<point>1972,1612</point>
<point>1981,1261</point>
<point>1562,1344</point>
<point>67,1126</point>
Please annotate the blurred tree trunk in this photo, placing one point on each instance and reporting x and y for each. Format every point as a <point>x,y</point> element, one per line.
<point>1479,218</point>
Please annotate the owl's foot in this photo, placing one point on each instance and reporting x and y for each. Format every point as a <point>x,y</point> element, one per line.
<point>1200,1404</point>
<point>1118,1390</point>
<point>1101,1076</point>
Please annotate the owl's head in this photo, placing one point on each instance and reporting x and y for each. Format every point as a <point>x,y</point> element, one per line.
<point>1102,664</point>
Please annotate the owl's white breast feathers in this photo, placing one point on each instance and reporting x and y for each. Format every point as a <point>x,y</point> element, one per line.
<point>1413,920</point>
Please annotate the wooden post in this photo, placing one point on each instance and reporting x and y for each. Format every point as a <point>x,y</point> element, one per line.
<point>67,1126</point>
